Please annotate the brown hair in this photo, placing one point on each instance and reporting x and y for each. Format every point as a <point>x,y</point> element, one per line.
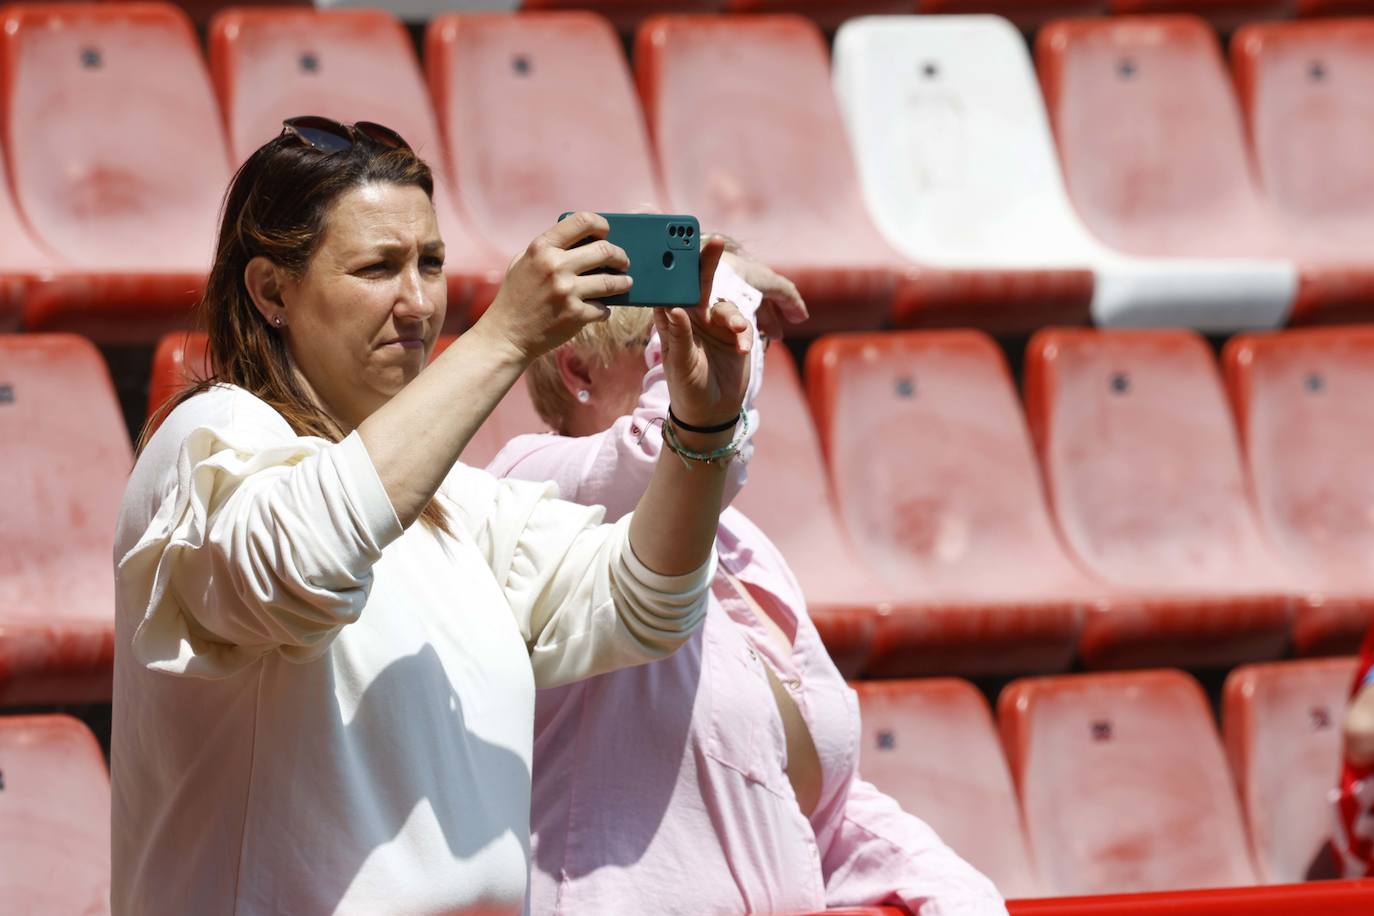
<point>276,207</point>
<point>601,341</point>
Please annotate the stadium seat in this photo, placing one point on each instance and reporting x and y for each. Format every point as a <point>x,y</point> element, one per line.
<point>22,260</point>
<point>938,489</point>
<point>749,138</point>
<point>1123,783</point>
<point>789,498</point>
<point>68,458</point>
<point>539,117</point>
<point>117,162</point>
<point>1306,420</point>
<point>1153,150</point>
<point>356,65</point>
<point>1282,727</point>
<point>959,169</point>
<point>932,746</point>
<point>1027,15</point>
<point>181,359</point>
<point>55,805</point>
<point>1329,898</point>
<point>1145,478</point>
<point>1305,88</point>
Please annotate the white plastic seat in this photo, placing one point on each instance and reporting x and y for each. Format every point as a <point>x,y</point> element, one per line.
<point>959,169</point>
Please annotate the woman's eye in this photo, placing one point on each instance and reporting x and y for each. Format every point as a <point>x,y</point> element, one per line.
<point>432,263</point>
<point>374,270</point>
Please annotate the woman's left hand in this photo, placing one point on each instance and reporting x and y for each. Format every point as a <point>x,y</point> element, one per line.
<point>706,351</point>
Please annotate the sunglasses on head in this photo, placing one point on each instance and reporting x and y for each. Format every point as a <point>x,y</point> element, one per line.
<point>330,136</point>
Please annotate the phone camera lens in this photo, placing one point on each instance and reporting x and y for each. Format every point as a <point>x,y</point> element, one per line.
<point>688,231</point>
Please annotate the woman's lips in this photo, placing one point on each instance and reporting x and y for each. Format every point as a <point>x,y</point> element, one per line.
<point>406,343</point>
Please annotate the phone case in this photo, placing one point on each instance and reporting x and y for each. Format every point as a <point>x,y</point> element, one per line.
<point>665,258</point>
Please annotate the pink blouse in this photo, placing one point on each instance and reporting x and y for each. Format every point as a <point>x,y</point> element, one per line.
<point>663,787</point>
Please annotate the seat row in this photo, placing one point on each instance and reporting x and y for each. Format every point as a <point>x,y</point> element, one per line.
<point>1159,221</point>
<point>1119,782</point>
<point>1098,784</point>
<point>1139,511</point>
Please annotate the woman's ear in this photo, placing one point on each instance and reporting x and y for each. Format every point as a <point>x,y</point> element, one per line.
<point>262,279</point>
<point>575,374</point>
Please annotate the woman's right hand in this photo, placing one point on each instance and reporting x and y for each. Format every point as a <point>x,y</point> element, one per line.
<point>545,298</point>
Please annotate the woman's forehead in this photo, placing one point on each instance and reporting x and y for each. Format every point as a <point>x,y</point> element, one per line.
<point>377,216</point>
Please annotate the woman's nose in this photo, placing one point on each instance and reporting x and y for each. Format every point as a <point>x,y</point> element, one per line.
<point>415,300</point>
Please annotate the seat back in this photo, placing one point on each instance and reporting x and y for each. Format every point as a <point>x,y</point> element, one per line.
<point>1150,136</point>
<point>67,460</point>
<point>932,464</point>
<point>1306,419</point>
<point>112,136</point>
<point>55,848</point>
<point>1123,783</point>
<point>723,95</point>
<point>1308,92</point>
<point>789,497</point>
<point>953,145</point>
<point>932,746</point>
<point>1282,725</point>
<point>352,65</point>
<point>539,115</point>
<point>181,359</point>
<point>1142,462</point>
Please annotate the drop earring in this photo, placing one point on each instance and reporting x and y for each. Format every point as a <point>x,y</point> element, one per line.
<point>584,395</point>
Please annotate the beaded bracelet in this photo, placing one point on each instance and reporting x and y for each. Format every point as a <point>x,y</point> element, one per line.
<point>720,455</point>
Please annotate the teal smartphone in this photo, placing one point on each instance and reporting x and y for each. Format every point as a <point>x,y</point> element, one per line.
<point>665,258</point>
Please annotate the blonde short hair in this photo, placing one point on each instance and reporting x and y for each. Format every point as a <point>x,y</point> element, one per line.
<point>601,342</point>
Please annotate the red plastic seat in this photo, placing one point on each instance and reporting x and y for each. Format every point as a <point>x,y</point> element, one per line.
<point>932,745</point>
<point>539,117</point>
<point>22,259</point>
<point>181,359</point>
<point>1282,726</point>
<point>117,162</point>
<point>1152,141</point>
<point>1305,88</point>
<point>1302,405</point>
<point>938,488</point>
<point>352,65</point>
<point>1329,898</point>
<point>789,498</point>
<point>1123,783</point>
<point>749,138</point>
<point>55,805</point>
<point>67,459</point>
<point>1145,479</point>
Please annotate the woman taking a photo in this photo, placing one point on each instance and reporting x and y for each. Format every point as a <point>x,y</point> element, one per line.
<point>329,632</point>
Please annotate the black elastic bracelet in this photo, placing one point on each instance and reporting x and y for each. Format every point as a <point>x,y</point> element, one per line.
<point>701,429</point>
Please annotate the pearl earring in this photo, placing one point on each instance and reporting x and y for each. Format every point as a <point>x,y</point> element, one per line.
<point>276,321</point>
<point>584,395</point>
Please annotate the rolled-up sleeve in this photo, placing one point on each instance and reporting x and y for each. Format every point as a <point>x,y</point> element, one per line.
<point>882,855</point>
<point>260,546</point>
<point>584,602</point>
